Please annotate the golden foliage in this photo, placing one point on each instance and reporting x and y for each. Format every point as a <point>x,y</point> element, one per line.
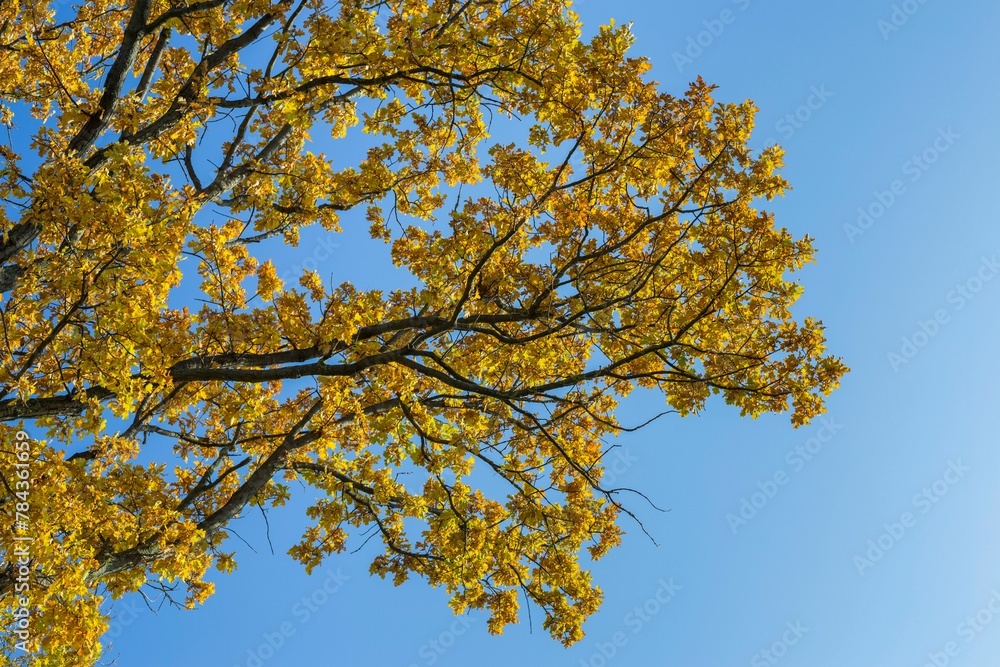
<point>616,246</point>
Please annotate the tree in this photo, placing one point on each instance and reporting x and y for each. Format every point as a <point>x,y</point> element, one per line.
<point>616,245</point>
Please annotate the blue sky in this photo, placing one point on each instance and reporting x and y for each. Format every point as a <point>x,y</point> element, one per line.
<point>880,548</point>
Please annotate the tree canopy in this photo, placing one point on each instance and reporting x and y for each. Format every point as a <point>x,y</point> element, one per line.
<point>159,149</point>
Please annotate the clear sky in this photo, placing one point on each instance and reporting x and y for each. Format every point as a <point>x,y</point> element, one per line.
<point>870,538</point>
